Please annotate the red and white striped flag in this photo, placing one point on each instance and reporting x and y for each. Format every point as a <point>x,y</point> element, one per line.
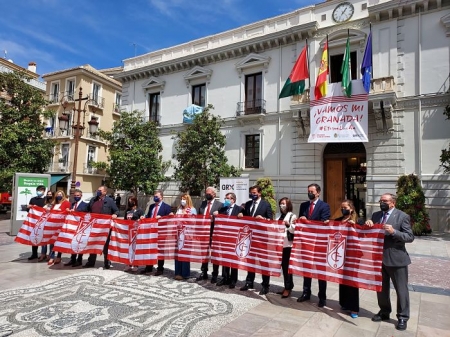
<point>134,242</point>
<point>83,233</point>
<point>40,226</point>
<point>248,243</point>
<point>338,252</point>
<point>184,237</point>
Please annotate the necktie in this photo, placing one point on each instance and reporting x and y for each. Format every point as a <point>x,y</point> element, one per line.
<point>253,208</point>
<point>155,211</point>
<point>385,215</point>
<point>208,208</point>
<point>311,209</point>
<point>75,206</point>
<point>229,210</point>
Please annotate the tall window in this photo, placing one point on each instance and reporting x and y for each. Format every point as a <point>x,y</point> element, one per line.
<point>70,87</point>
<point>118,102</point>
<point>96,92</point>
<point>335,67</point>
<point>198,94</point>
<point>252,151</point>
<point>253,93</point>
<point>64,160</point>
<point>90,158</point>
<point>54,95</point>
<point>153,107</point>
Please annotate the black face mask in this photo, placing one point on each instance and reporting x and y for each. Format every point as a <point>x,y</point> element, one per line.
<point>131,204</point>
<point>209,197</point>
<point>49,198</point>
<point>311,196</point>
<point>384,206</point>
<point>345,211</point>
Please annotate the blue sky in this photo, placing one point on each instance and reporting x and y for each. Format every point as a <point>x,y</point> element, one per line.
<point>58,34</point>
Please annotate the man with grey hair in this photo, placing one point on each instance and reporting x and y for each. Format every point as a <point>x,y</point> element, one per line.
<point>207,208</point>
<point>395,259</point>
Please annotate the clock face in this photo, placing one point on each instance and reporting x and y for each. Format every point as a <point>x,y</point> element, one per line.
<point>343,12</point>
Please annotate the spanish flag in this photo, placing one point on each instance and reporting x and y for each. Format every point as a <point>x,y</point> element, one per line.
<point>322,78</point>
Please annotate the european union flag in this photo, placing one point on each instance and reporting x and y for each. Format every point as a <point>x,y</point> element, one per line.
<point>366,66</point>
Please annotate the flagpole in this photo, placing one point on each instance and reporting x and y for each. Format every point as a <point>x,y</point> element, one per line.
<point>309,73</point>
<point>371,54</point>
<point>328,63</point>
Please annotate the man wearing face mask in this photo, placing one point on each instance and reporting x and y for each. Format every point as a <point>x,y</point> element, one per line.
<point>317,210</point>
<point>38,200</point>
<point>207,208</point>
<point>77,206</point>
<point>259,209</point>
<point>102,204</point>
<point>395,259</point>
<point>157,210</point>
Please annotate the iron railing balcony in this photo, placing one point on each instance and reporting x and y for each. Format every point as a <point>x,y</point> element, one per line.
<point>96,101</point>
<point>251,107</point>
<point>65,167</point>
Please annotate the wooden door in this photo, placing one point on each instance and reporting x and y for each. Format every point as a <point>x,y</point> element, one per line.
<point>334,185</point>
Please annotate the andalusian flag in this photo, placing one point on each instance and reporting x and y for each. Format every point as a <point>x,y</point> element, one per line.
<point>322,78</point>
<point>295,84</point>
<point>346,71</point>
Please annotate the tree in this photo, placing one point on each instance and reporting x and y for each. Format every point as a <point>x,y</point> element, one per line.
<point>200,154</point>
<point>411,200</point>
<point>134,154</point>
<point>22,146</point>
<point>268,192</point>
<point>445,156</point>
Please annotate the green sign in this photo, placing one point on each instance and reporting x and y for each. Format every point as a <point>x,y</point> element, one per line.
<point>32,181</point>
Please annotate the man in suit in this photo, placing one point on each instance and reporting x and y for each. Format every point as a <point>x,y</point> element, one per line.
<point>157,210</point>
<point>395,259</point>
<point>102,204</point>
<point>317,210</point>
<point>79,206</point>
<point>231,209</point>
<point>38,200</point>
<point>207,208</point>
<point>259,209</point>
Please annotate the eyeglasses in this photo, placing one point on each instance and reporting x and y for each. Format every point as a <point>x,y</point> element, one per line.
<point>386,201</point>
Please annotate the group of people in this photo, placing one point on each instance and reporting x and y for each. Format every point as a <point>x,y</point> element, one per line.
<point>395,223</point>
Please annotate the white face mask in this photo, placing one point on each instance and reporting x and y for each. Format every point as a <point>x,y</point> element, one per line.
<point>282,207</point>
<point>183,203</point>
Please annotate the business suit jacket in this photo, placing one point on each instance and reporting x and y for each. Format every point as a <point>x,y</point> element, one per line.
<point>214,207</point>
<point>234,212</point>
<point>82,207</point>
<point>163,209</point>
<point>109,206</point>
<point>321,211</point>
<point>394,251</point>
<point>263,208</point>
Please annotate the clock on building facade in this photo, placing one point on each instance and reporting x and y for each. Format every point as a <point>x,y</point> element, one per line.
<point>343,12</point>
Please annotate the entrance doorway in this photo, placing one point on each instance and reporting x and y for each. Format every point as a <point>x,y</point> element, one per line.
<point>345,176</point>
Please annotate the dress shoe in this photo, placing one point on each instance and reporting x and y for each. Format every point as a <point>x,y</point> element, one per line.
<point>89,265</point>
<point>232,285</point>
<point>402,324</point>
<point>42,258</point>
<point>221,282</point>
<point>286,293</point>
<point>146,270</point>
<point>213,279</point>
<point>322,303</point>
<point>264,290</point>
<point>281,292</point>
<point>50,262</point>
<point>32,257</point>
<point>77,264</point>
<point>246,287</point>
<point>70,263</point>
<point>178,278</point>
<point>107,265</point>
<point>380,317</point>
<point>158,272</point>
<point>201,277</point>
<point>57,260</point>
<point>303,298</point>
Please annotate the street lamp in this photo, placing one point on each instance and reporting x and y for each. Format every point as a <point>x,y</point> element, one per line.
<point>78,129</point>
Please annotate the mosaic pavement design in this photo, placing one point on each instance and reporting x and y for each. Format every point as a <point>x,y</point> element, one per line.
<point>113,303</point>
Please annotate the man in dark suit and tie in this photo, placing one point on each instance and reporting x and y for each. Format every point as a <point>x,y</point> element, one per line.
<point>317,210</point>
<point>260,209</point>
<point>207,208</point>
<point>395,259</point>
<point>231,209</point>
<point>157,210</point>
<point>78,206</point>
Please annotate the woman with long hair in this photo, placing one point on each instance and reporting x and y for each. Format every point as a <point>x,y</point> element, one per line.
<point>183,269</point>
<point>133,212</point>
<point>60,203</point>
<point>288,219</point>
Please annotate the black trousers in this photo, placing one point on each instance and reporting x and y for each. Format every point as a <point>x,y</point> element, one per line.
<point>232,276</point>
<point>399,277</point>
<point>34,250</point>
<point>322,288</point>
<point>73,257</point>
<point>288,278</point>
<point>93,257</point>
<point>215,271</point>
<point>251,278</point>
<point>349,297</point>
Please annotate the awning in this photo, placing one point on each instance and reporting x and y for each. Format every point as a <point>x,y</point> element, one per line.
<point>58,177</point>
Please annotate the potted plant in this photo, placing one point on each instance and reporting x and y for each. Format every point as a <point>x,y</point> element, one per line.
<point>101,166</point>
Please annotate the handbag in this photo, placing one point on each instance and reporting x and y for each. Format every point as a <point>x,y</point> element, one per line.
<point>290,236</point>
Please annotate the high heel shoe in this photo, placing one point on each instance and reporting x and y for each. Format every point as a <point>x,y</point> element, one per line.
<point>57,260</point>
<point>42,258</point>
<point>50,262</point>
<point>286,293</point>
<point>281,292</point>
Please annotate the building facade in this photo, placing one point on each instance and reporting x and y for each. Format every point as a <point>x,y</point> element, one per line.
<point>100,107</point>
<point>242,71</point>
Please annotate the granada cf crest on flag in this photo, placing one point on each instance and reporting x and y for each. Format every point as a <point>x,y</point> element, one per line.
<point>243,242</point>
<point>336,250</point>
<point>37,233</point>
<point>181,237</point>
<point>132,236</point>
<point>81,237</point>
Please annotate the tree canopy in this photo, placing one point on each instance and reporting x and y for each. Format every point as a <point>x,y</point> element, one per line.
<point>200,154</point>
<point>134,154</point>
<point>445,155</point>
<point>22,146</point>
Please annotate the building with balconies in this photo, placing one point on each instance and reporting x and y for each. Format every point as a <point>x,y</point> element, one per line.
<point>100,107</point>
<point>241,72</point>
